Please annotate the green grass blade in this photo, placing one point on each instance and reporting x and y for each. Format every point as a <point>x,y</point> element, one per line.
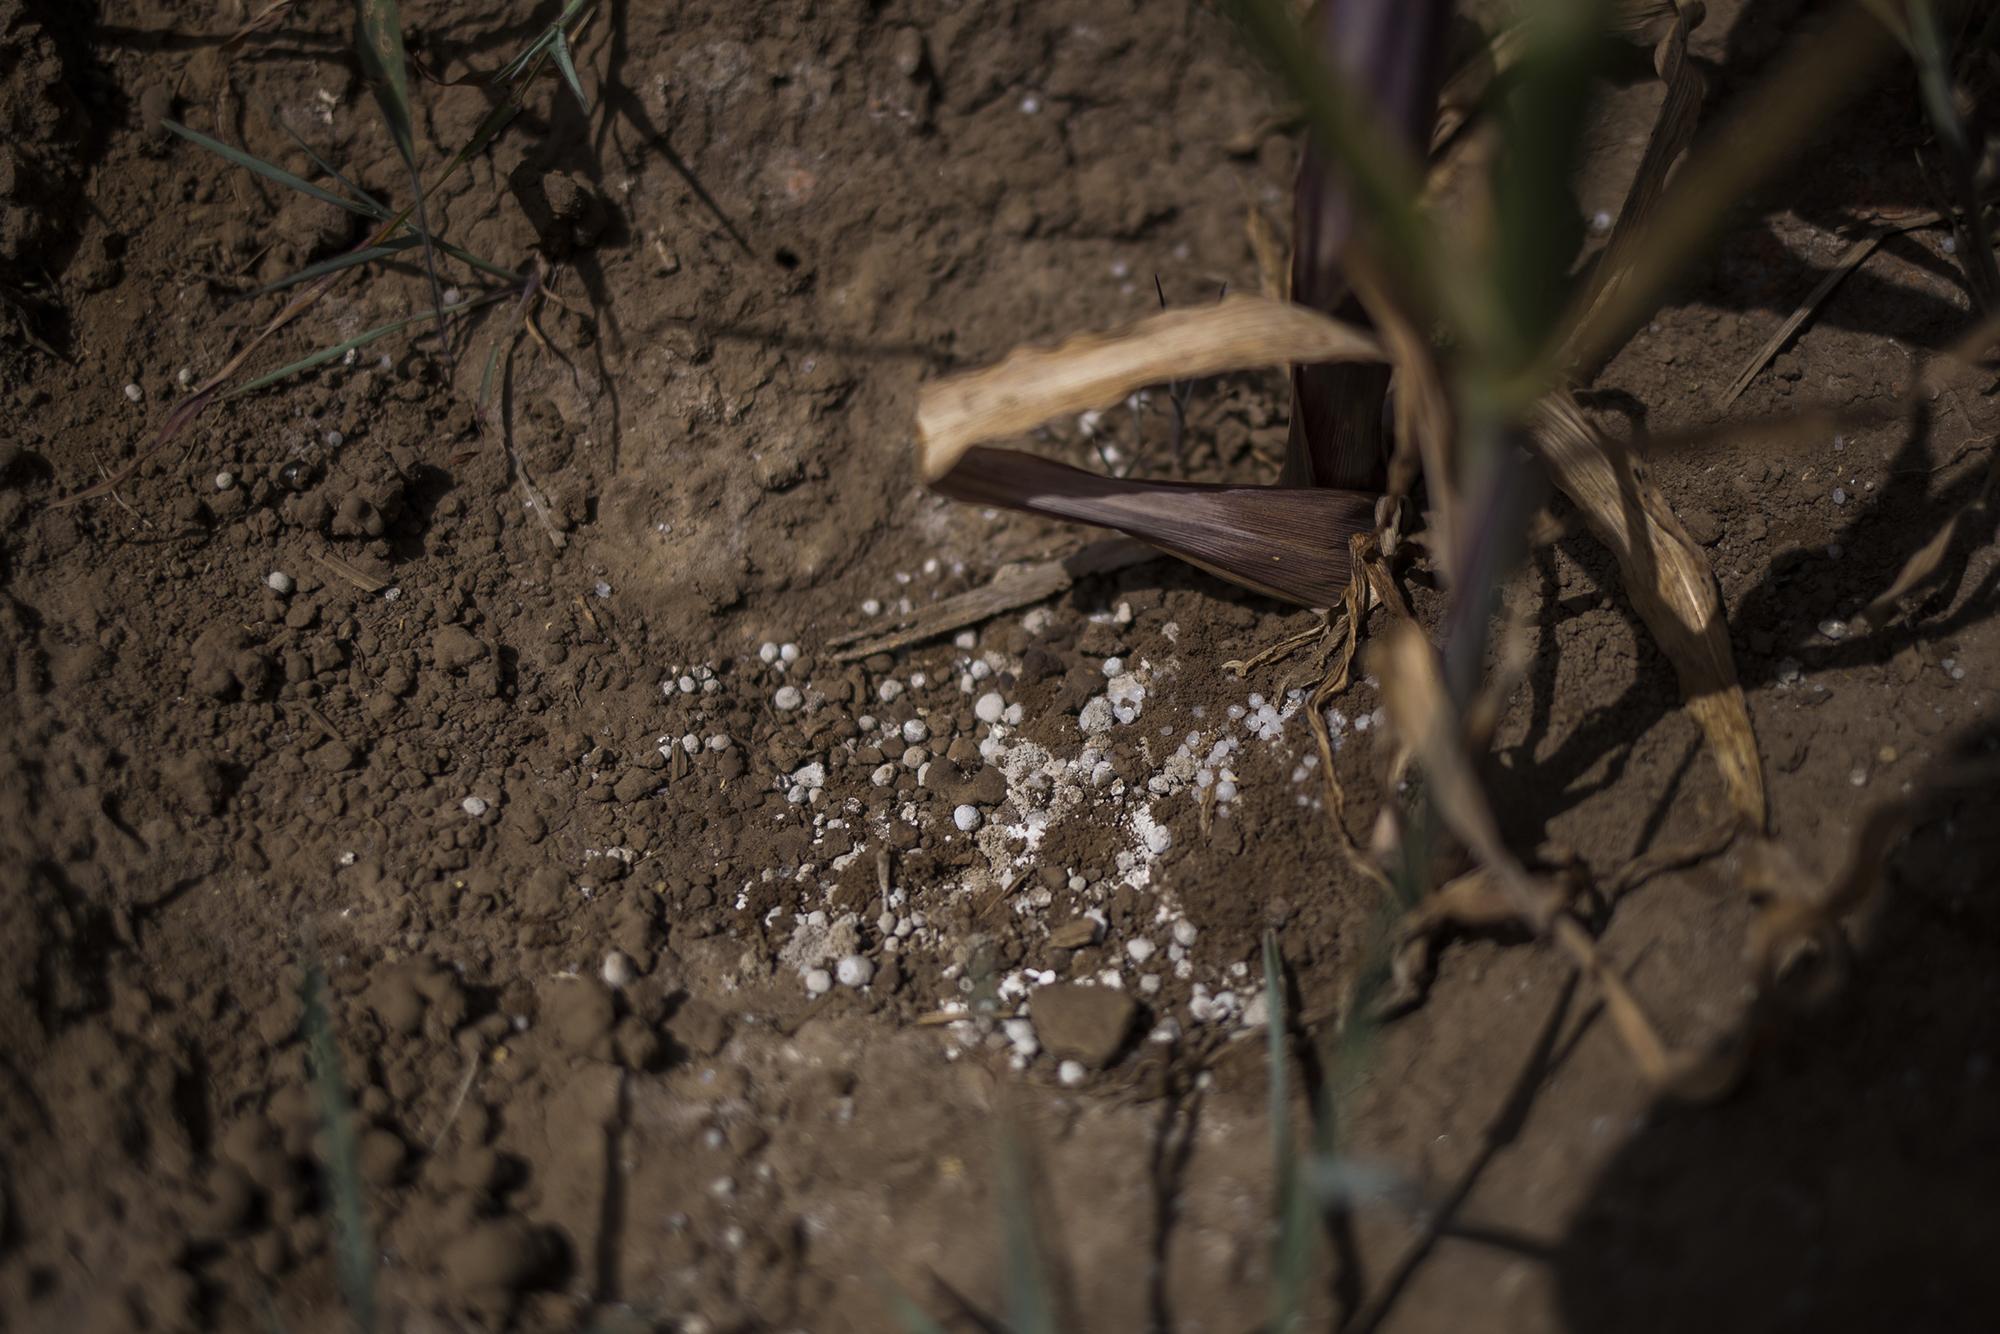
<point>1292,1244</point>
<point>912,1317</point>
<point>568,68</point>
<point>269,171</point>
<point>378,38</point>
<point>346,260</point>
<point>363,339</point>
<point>354,1252</point>
<point>376,208</point>
<point>1030,1309</point>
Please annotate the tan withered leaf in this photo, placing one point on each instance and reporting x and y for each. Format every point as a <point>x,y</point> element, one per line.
<point>1287,542</point>
<point>1032,385</point>
<point>1668,579</point>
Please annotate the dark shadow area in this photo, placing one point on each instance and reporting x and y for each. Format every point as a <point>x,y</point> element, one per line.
<point>1854,1182</point>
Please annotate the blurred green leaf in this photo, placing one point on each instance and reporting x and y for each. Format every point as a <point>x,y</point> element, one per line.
<point>1292,1205</point>
<point>354,1252</point>
<point>1537,227</point>
<point>1030,1309</point>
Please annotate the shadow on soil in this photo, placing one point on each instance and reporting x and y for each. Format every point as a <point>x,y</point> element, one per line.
<point>1854,1183</point>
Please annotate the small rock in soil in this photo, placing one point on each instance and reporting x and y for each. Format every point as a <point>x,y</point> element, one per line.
<point>1086,1023</point>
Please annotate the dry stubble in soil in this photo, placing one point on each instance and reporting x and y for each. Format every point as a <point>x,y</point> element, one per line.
<point>641,934</point>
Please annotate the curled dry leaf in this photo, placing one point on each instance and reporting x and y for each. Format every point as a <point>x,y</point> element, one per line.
<point>1286,541</point>
<point>1668,579</point>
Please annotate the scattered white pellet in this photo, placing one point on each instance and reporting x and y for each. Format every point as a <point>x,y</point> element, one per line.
<point>279,582</point>
<point>966,818</point>
<point>788,698</point>
<point>767,652</point>
<point>818,981</point>
<point>989,707</point>
<point>1185,932</point>
<point>720,741</point>
<point>224,480</point>
<point>915,730</point>
<point>1600,221</point>
<point>691,743</point>
<point>602,589</point>
<point>686,685</point>
<point>1021,1036</point>
<point>854,971</point>
<point>1950,245</point>
<point>473,806</point>
<point>884,775</point>
<point>1839,496</point>
<point>916,757</point>
<point>134,392</point>
<point>184,376</point>
<point>1139,949</point>
<point>1071,1073</point>
<point>618,970</point>
<point>889,690</point>
<point>965,639</point>
<point>871,607</point>
<point>788,652</point>
<point>810,776</point>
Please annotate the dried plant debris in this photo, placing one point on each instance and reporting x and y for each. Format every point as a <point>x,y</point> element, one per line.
<point>1289,542</point>
<point>1669,581</point>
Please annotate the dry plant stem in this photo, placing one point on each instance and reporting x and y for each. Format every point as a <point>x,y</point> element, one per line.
<point>1413,690</point>
<point>1669,581</point>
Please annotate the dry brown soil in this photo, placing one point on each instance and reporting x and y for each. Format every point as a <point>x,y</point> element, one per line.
<point>486,754</point>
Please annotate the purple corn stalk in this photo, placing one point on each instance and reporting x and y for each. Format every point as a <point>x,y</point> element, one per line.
<point>1390,53</point>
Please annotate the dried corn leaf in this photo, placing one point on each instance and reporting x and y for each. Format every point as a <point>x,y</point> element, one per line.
<point>1032,385</point>
<point>1669,581</point>
<point>1286,541</point>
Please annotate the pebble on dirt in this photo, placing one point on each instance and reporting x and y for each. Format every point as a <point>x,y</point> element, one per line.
<point>279,582</point>
<point>1084,1023</point>
<point>619,971</point>
<point>788,698</point>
